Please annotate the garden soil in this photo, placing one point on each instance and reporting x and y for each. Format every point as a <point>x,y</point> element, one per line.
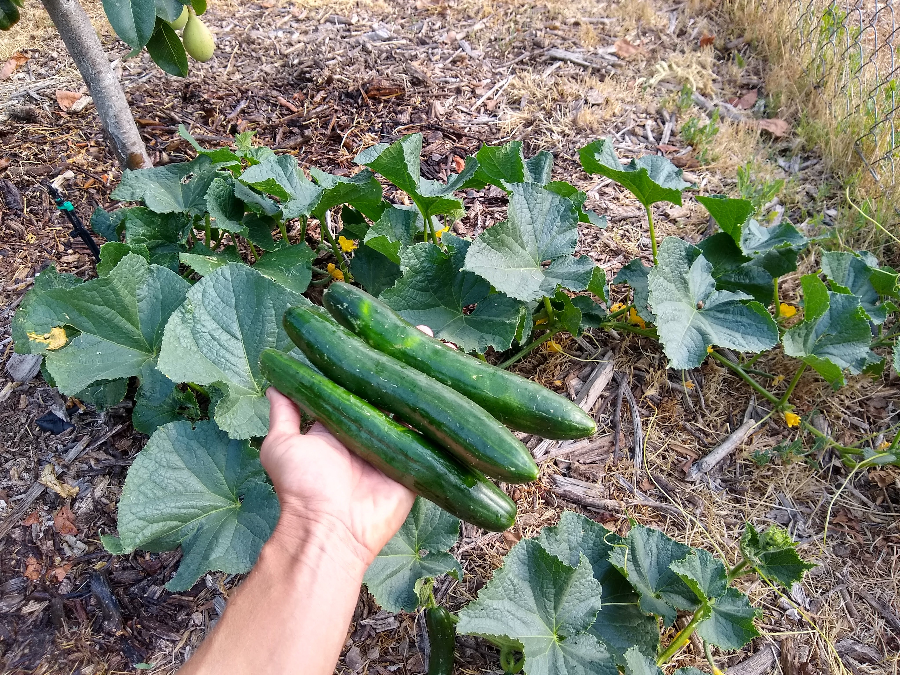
<point>324,80</point>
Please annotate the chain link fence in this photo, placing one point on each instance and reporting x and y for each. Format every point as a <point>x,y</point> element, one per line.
<point>852,52</point>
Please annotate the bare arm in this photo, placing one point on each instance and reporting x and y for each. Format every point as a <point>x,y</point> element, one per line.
<point>292,612</point>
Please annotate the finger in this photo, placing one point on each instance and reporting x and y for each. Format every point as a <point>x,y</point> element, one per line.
<point>284,415</point>
<point>426,330</point>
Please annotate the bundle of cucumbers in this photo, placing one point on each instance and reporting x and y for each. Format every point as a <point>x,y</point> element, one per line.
<point>453,407</point>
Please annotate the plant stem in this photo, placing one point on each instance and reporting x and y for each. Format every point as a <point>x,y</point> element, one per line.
<point>208,231</point>
<point>284,235</point>
<point>630,328</point>
<point>762,391</point>
<point>620,312</point>
<point>551,315</point>
<point>749,362</point>
<point>649,210</point>
<point>253,251</point>
<point>777,301</point>
<point>738,570</point>
<point>323,227</point>
<point>525,351</point>
<point>683,636</point>
<point>303,221</point>
<point>790,389</point>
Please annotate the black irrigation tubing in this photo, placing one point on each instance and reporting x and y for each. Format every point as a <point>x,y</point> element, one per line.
<point>78,227</point>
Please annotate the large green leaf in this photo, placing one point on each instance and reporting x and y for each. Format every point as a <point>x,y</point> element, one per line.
<point>112,252</point>
<point>504,165</point>
<point>729,214</point>
<point>374,270</point>
<point>541,226</point>
<point>290,266</point>
<point>545,605</point>
<point>219,156</point>
<point>167,189</point>
<point>848,273</point>
<point>691,314</point>
<point>645,561</point>
<point>361,190</point>
<point>204,262</point>
<point>280,175</point>
<point>398,226</point>
<point>120,319</point>
<point>834,335</point>
<point>650,178</point>
<point>636,274</point>
<point>400,162</point>
<point>578,198</point>
<point>196,488</point>
<point>620,624</point>
<point>167,51</point>
<point>436,292</point>
<point>159,401</point>
<point>729,625</point>
<point>215,338</point>
<point>225,209</point>
<point>756,239</point>
<point>133,20</point>
<point>773,554</point>
<point>36,316</point>
<point>418,551</point>
<point>163,234</point>
<point>734,271</point>
<point>104,394</point>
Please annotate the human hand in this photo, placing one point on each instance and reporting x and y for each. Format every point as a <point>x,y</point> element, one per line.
<point>327,491</point>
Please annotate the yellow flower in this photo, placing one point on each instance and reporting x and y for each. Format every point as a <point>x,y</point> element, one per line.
<point>792,419</point>
<point>709,349</point>
<point>635,319</point>
<point>55,339</point>
<point>616,307</point>
<point>439,233</point>
<point>335,272</point>
<point>786,310</point>
<point>778,379</point>
<point>688,385</point>
<point>553,346</point>
<point>884,445</point>
<point>540,321</point>
<point>347,245</point>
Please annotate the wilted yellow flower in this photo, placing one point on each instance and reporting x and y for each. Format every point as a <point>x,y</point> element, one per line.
<point>786,310</point>
<point>616,307</point>
<point>553,346</point>
<point>778,379</point>
<point>335,272</point>
<point>635,319</point>
<point>884,445</point>
<point>688,385</point>
<point>792,419</point>
<point>55,339</point>
<point>347,245</point>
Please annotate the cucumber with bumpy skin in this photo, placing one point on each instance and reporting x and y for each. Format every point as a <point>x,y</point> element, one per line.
<point>521,404</point>
<point>442,640</point>
<point>444,415</point>
<point>399,452</point>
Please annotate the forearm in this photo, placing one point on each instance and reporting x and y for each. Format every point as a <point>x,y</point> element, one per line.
<point>292,612</point>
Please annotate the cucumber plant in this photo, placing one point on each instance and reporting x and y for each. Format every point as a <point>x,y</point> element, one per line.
<point>199,269</point>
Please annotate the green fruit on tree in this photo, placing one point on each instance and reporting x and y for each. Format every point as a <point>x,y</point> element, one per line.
<point>180,22</point>
<point>198,41</point>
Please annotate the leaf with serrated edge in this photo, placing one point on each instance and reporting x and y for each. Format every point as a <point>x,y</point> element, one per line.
<point>208,262</point>
<point>112,252</point>
<point>645,561</point>
<point>703,572</point>
<point>733,271</point>
<point>290,266</point>
<point>361,190</point>
<point>196,488</point>
<point>620,624</point>
<point>850,274</point>
<point>225,209</point>
<point>729,214</point>
<point>120,318</point>
<point>216,336</point>
<point>730,622</point>
<point>756,239</point>
<point>218,156</point>
<point>36,316</point>
<point>164,189</point>
<point>373,270</point>
<point>636,275</point>
<point>566,313</point>
<point>691,314</point>
<point>418,551</point>
<point>773,554</point>
<point>637,663</point>
<point>163,234</point>
<point>546,606</point>
<point>650,178</point>
<point>280,175</point>
<point>434,291</point>
<point>397,227</point>
<point>541,226</point>
<point>834,335</point>
<point>159,402</point>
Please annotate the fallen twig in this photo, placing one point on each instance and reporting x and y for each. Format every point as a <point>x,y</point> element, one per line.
<point>724,449</point>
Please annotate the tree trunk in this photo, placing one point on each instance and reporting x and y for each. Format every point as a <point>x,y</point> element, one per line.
<point>84,46</point>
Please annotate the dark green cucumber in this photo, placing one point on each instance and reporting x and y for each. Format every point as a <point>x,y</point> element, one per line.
<point>400,453</point>
<point>441,640</point>
<point>521,404</point>
<point>444,415</point>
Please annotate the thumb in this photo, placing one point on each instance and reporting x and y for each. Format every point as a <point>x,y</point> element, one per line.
<point>284,415</point>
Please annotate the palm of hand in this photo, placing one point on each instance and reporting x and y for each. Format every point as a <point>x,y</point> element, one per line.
<point>319,480</point>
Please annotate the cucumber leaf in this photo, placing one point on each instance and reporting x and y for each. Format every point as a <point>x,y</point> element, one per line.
<point>566,313</point>
<point>650,178</point>
<point>897,356</point>
<point>733,271</point>
<point>215,338</point>
<point>730,622</point>
<point>374,270</point>
<point>120,320</point>
<point>218,156</point>
<point>620,624</point>
<point>756,239</point>
<point>35,315</point>
<point>773,554</point>
<point>225,209</point>
<point>541,226</point>
<point>435,291</point>
<point>398,226</point>
<point>290,266</point>
<point>361,190</point>
<point>578,198</point>
<point>729,214</point>
<point>196,488</point>
<point>691,314</point>
<point>639,663</point>
<point>104,394</point>
<point>280,175</point>
<point>164,235</point>
<point>834,335</point>
<point>504,165</point>
<point>204,262</point>
<point>113,251</point>
<point>849,274</point>
<point>418,551</point>
<point>637,275</point>
<point>545,605</point>
<point>645,561</point>
<point>159,402</point>
<point>167,51</point>
<point>102,223</point>
<point>167,189</point>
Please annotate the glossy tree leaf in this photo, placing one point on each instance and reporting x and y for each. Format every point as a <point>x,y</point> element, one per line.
<point>133,20</point>
<point>545,605</point>
<point>168,189</point>
<point>159,401</point>
<point>620,624</point>
<point>636,274</point>
<point>168,10</point>
<point>36,316</point>
<point>773,554</point>
<point>119,318</point>
<point>167,51</point>
<point>729,214</point>
<point>834,335</point>
<point>650,178</point>
<point>436,292</point>
<point>196,488</point>
<point>163,234</point>
<point>290,266</point>
<point>541,226</point>
<point>691,314</point>
<point>215,338</point>
<point>373,270</point>
<point>398,226</point>
<point>645,561</point>
<point>418,551</point>
<point>848,273</point>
